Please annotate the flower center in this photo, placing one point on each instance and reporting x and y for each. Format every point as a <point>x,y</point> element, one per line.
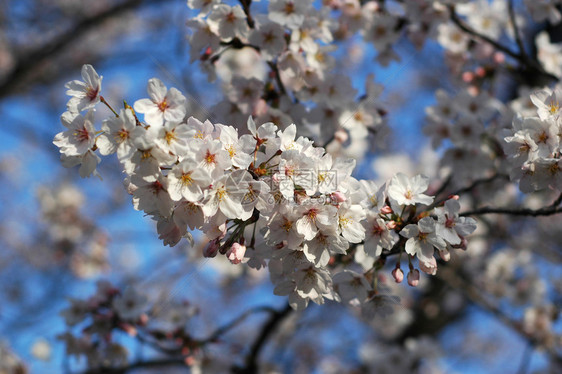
<point>82,135</point>
<point>92,93</point>
<point>170,136</point>
<point>121,136</point>
<point>231,150</point>
<point>210,158</point>
<point>163,105</point>
<point>221,193</point>
<point>186,179</point>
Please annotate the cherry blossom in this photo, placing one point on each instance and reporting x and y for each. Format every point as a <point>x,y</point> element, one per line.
<point>86,94</point>
<point>163,104</point>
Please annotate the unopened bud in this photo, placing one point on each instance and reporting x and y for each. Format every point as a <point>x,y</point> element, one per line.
<point>236,253</point>
<point>189,360</point>
<point>480,71</point>
<point>211,249</point>
<point>414,277</point>
<point>129,329</point>
<point>398,275</point>
<point>391,225</point>
<point>429,267</point>
<point>473,90</point>
<point>341,136</point>
<point>445,255</point>
<point>499,58</point>
<point>386,209</point>
<point>468,76</point>
<point>338,197</point>
<point>462,245</point>
<point>143,319</point>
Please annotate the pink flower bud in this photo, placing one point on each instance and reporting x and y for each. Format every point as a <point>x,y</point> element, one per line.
<point>222,229</point>
<point>143,319</point>
<point>129,329</point>
<point>386,209</point>
<point>398,275</point>
<point>236,253</point>
<point>499,58</point>
<point>468,76</point>
<point>414,278</point>
<point>455,197</point>
<point>473,90</point>
<point>391,225</point>
<point>480,71</point>
<point>211,249</point>
<point>462,245</point>
<point>260,108</point>
<point>338,197</point>
<point>341,136</point>
<point>445,255</point>
<point>429,267</point>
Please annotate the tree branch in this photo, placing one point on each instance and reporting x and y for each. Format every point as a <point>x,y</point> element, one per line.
<point>516,31</point>
<point>251,364</point>
<point>462,190</point>
<point>451,276</point>
<point>531,64</point>
<point>546,211</point>
<point>224,329</point>
<point>246,7</point>
<point>177,358</point>
<point>32,60</point>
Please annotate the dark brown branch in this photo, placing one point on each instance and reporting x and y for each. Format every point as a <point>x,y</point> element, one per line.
<point>176,358</point>
<point>251,362</point>
<point>31,61</point>
<point>275,70</point>
<point>224,329</point>
<point>530,64</point>
<point>246,7</point>
<point>516,31</point>
<point>546,211</point>
<point>462,190</point>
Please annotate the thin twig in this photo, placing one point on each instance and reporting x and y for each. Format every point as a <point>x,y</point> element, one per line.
<point>238,320</point>
<point>275,70</point>
<point>516,30</point>
<point>531,64</point>
<point>546,211</point>
<point>462,190</point>
<point>453,278</point>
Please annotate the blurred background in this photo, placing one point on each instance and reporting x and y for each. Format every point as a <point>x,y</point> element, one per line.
<point>60,234</point>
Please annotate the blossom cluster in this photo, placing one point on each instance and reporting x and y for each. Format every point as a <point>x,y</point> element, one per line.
<point>534,143</point>
<point>110,309</point>
<point>294,40</point>
<point>73,239</point>
<point>268,196</point>
<point>461,121</point>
